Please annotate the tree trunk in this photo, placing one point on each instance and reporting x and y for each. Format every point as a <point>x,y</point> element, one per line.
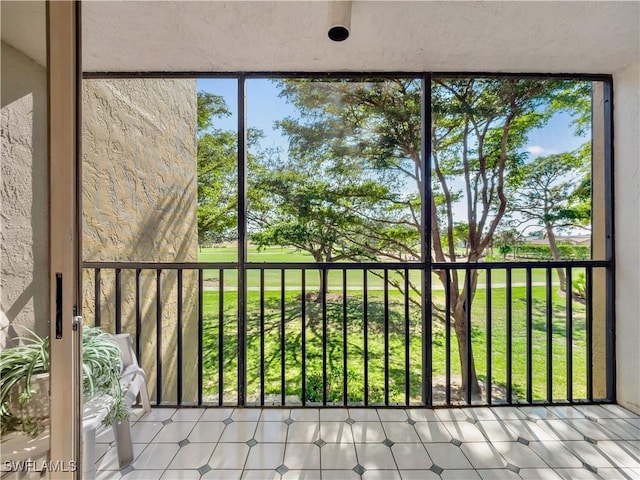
<point>323,281</point>
<point>556,256</point>
<point>460,326</point>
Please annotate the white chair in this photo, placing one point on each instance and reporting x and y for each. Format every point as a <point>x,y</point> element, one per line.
<point>132,379</point>
<point>133,382</point>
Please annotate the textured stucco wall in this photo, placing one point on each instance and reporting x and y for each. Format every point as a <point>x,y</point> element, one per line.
<point>24,210</point>
<point>139,204</point>
<point>627,218</point>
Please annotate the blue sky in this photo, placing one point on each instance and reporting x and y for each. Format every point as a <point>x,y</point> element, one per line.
<point>263,106</point>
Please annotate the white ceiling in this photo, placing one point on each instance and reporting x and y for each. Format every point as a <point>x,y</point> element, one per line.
<point>24,28</point>
<point>226,36</point>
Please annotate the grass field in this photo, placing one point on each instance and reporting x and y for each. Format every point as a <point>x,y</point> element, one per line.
<point>285,314</point>
<point>293,277</point>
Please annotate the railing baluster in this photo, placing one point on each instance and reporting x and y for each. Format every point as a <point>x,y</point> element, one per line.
<point>262,358</point>
<point>345,398</point>
<point>328,391</point>
<point>283,386</point>
<point>96,292</point>
<point>118,301</point>
<point>179,340</point>
<point>138,315</point>
<point>447,337</point>
<point>488,315</point>
<point>509,336</point>
<point>303,317</point>
<point>589,330</point>
<point>407,341</point>
<point>200,330</point>
<point>467,303</point>
<point>386,336</point>
<point>569,294</point>
<point>549,328</point>
<point>159,336</point>
<point>365,321</point>
<point>529,335</point>
<point>323,289</point>
<point>220,337</point>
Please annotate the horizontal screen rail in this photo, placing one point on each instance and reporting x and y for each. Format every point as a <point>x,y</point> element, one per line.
<point>351,266</point>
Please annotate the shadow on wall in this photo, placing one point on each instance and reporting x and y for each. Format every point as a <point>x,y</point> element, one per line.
<point>139,205</point>
<point>24,208</point>
<point>167,216</point>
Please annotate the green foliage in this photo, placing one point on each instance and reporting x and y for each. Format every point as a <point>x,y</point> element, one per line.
<point>355,146</point>
<point>101,375</point>
<point>543,252</point>
<point>17,366</point>
<point>101,367</point>
<point>544,191</point>
<point>505,250</point>
<point>336,195</point>
<point>396,343</point>
<point>217,173</point>
<point>580,286</point>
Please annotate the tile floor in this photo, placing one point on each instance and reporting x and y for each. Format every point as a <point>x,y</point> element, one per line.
<point>582,442</point>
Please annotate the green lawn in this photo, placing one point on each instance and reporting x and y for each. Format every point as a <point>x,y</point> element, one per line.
<point>291,311</point>
<point>293,277</point>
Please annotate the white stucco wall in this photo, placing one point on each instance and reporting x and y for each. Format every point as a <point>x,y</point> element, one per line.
<point>627,221</point>
<point>24,205</point>
<point>139,205</point>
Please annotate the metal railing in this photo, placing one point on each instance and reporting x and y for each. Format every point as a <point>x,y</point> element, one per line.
<point>348,334</point>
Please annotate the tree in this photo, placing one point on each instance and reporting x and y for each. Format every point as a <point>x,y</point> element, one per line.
<point>505,240</point>
<point>373,127</point>
<point>479,126</point>
<point>545,194</point>
<point>217,172</point>
<point>461,236</point>
<point>311,204</point>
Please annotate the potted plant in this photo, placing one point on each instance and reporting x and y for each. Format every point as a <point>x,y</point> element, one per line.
<point>24,381</point>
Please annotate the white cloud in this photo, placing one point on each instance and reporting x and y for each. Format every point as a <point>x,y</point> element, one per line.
<point>537,150</point>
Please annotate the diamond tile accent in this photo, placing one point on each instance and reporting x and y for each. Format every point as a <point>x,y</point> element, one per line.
<point>513,468</point>
<point>128,469</point>
<point>530,432</point>
<point>359,469</point>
